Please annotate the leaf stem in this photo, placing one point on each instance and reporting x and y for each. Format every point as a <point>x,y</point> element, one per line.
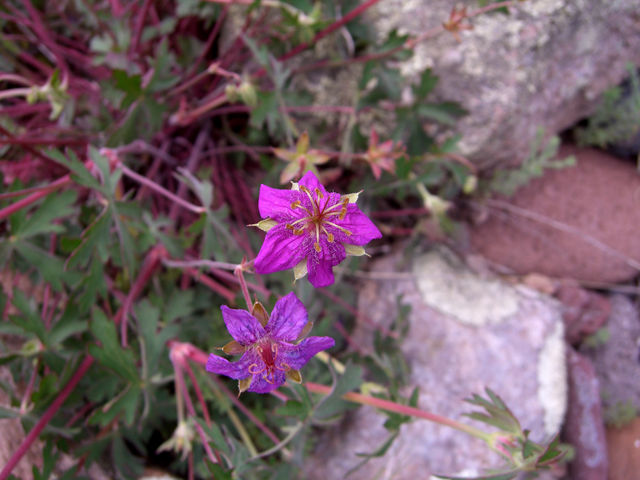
<point>34,197</point>
<point>161,190</point>
<point>401,409</point>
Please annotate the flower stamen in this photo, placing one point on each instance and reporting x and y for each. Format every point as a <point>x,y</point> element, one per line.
<point>283,367</point>
<point>254,366</point>
<point>347,232</point>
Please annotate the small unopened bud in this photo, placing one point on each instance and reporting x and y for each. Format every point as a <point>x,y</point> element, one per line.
<point>231,91</point>
<point>470,185</point>
<point>248,94</point>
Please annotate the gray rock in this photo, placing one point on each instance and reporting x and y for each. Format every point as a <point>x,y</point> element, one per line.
<point>616,361</point>
<point>514,345</point>
<point>543,65</point>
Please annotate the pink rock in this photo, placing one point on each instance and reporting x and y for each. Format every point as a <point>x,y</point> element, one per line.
<point>583,312</point>
<point>580,222</point>
<point>584,427</point>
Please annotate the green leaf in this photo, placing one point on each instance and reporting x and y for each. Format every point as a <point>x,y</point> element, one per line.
<point>497,415</point>
<point>55,206</point>
<point>80,174</point>
<point>125,403</point>
<point>95,235</point>
<point>179,305</point>
<point>50,266</point>
<point>110,354</point>
<point>333,404</point>
<point>293,408</point>
<point>427,82</point>
<point>30,320</point>
<point>6,412</point>
<point>131,85</point>
<point>445,112</point>
<point>127,245</point>
<point>215,435</point>
<point>148,317</point>
<point>69,324</point>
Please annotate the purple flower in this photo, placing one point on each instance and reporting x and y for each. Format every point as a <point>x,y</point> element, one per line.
<point>269,352</point>
<point>310,230</point>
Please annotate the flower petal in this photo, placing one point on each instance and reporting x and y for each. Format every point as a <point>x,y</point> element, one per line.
<point>281,250</point>
<point>243,327</point>
<point>235,370</point>
<point>297,356</point>
<point>320,264</point>
<point>260,385</point>
<point>359,225</point>
<point>275,203</point>
<point>310,181</point>
<point>288,318</point>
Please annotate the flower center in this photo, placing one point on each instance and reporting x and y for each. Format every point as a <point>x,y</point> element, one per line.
<point>319,217</point>
<point>268,352</point>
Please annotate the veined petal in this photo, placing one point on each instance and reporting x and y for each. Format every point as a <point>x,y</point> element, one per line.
<point>281,250</point>
<point>260,385</point>
<point>363,230</point>
<point>297,356</point>
<point>235,370</point>
<point>274,203</point>
<point>242,326</point>
<point>288,318</point>
<point>320,264</point>
<point>310,181</point>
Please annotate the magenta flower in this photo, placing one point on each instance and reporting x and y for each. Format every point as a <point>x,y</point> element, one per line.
<point>310,230</point>
<point>270,354</point>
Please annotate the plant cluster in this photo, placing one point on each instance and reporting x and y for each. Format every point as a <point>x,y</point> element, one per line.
<point>133,142</point>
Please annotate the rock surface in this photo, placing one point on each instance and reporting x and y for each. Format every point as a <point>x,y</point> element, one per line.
<point>584,312</point>
<point>543,65</point>
<point>616,361</point>
<point>579,222</point>
<point>624,451</point>
<point>584,427</point>
<point>466,333</point>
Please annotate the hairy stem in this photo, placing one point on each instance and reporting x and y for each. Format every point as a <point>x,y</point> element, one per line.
<point>401,409</point>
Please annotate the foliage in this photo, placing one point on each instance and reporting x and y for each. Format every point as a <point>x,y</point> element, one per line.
<point>540,158</point>
<point>617,119</point>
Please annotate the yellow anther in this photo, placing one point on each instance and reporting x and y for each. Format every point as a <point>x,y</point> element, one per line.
<point>288,226</point>
<point>330,237</point>
<point>318,193</point>
<point>304,189</point>
<point>343,213</point>
<point>295,204</point>
<point>298,231</point>
<point>317,247</point>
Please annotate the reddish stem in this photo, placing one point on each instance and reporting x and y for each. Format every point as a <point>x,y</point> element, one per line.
<point>212,284</point>
<point>196,387</point>
<point>139,24</point>
<point>243,286</point>
<point>398,408</point>
<point>46,417</point>
<point>34,197</point>
<point>330,29</point>
<point>150,265</point>
<point>240,406</point>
